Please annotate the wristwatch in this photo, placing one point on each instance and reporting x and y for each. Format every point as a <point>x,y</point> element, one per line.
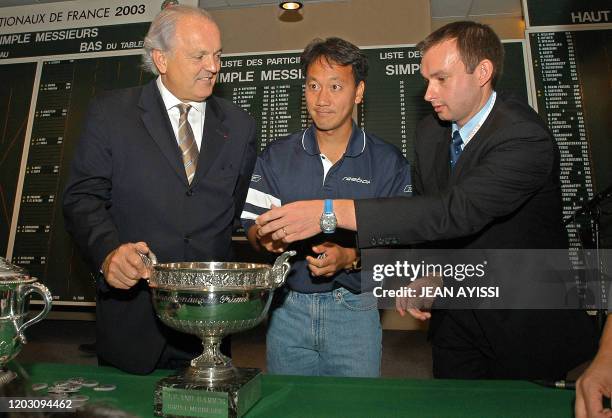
<point>328,219</point>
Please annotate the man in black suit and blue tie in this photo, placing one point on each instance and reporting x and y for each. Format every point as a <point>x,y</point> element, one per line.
<point>165,166</point>
<point>486,177</point>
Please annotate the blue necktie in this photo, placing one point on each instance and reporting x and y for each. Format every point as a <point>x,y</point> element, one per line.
<point>455,148</point>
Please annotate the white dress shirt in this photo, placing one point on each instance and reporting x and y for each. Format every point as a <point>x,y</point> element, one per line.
<point>469,130</point>
<point>196,113</point>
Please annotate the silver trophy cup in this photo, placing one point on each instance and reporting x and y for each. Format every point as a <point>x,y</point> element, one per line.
<point>16,286</point>
<point>212,300</point>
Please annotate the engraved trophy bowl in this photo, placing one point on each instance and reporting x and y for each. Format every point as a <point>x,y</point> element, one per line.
<point>212,300</point>
<point>16,286</point>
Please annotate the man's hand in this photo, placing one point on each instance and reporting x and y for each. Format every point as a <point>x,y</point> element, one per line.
<point>266,242</point>
<point>123,267</point>
<point>596,382</point>
<point>418,306</point>
<point>331,259</point>
<point>292,222</point>
<point>271,245</point>
<point>404,304</point>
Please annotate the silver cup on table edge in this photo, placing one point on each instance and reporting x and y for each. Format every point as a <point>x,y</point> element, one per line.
<point>16,286</point>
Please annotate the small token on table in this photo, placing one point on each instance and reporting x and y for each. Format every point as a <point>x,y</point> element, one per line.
<point>57,391</point>
<point>89,383</point>
<point>105,388</point>
<point>39,386</point>
<point>78,400</point>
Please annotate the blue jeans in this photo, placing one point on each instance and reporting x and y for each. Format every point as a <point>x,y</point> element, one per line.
<point>335,333</point>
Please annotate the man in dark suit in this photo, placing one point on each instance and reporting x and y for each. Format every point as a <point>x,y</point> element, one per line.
<point>165,167</point>
<point>486,177</point>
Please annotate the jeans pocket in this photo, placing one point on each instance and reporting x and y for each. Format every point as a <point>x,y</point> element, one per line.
<point>361,302</point>
<point>291,297</point>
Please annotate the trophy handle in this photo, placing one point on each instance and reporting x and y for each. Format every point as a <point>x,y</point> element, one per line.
<point>281,267</point>
<point>149,259</point>
<point>44,293</point>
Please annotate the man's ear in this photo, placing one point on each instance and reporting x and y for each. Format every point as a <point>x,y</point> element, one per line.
<point>484,70</point>
<point>360,91</point>
<point>160,61</point>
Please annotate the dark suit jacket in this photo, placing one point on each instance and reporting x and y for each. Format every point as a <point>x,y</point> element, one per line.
<point>504,193</point>
<point>128,184</point>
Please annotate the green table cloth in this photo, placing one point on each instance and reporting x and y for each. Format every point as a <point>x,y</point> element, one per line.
<point>319,397</point>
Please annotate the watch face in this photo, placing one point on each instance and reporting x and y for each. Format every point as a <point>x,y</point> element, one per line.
<point>328,222</point>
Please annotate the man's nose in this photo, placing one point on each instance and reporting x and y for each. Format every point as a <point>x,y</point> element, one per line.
<point>322,97</point>
<point>429,93</point>
<point>212,64</point>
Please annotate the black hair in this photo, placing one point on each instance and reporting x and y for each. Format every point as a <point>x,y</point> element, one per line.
<point>337,51</point>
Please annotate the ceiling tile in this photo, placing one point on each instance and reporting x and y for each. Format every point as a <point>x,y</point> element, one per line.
<point>496,7</point>
<point>212,4</point>
<point>449,8</point>
<point>233,4</point>
<point>11,3</point>
<point>242,3</point>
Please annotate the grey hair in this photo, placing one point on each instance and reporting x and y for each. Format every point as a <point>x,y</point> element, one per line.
<point>162,30</point>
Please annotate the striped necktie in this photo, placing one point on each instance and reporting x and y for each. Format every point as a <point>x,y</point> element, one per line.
<point>187,142</point>
<point>455,148</point>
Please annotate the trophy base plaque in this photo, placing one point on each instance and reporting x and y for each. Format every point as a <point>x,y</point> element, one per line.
<point>179,396</point>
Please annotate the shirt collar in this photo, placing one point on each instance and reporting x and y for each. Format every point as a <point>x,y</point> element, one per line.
<point>355,147</point>
<point>170,100</point>
<point>477,118</point>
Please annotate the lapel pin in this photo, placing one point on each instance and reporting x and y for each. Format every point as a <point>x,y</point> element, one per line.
<point>223,134</point>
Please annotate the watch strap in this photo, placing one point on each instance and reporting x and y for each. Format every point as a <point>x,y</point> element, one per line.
<point>328,206</point>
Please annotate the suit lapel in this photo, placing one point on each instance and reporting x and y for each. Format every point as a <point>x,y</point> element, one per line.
<point>157,123</point>
<point>442,159</point>
<point>214,138</point>
<point>479,140</point>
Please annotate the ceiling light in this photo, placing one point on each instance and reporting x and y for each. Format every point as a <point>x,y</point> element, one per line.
<point>290,5</point>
